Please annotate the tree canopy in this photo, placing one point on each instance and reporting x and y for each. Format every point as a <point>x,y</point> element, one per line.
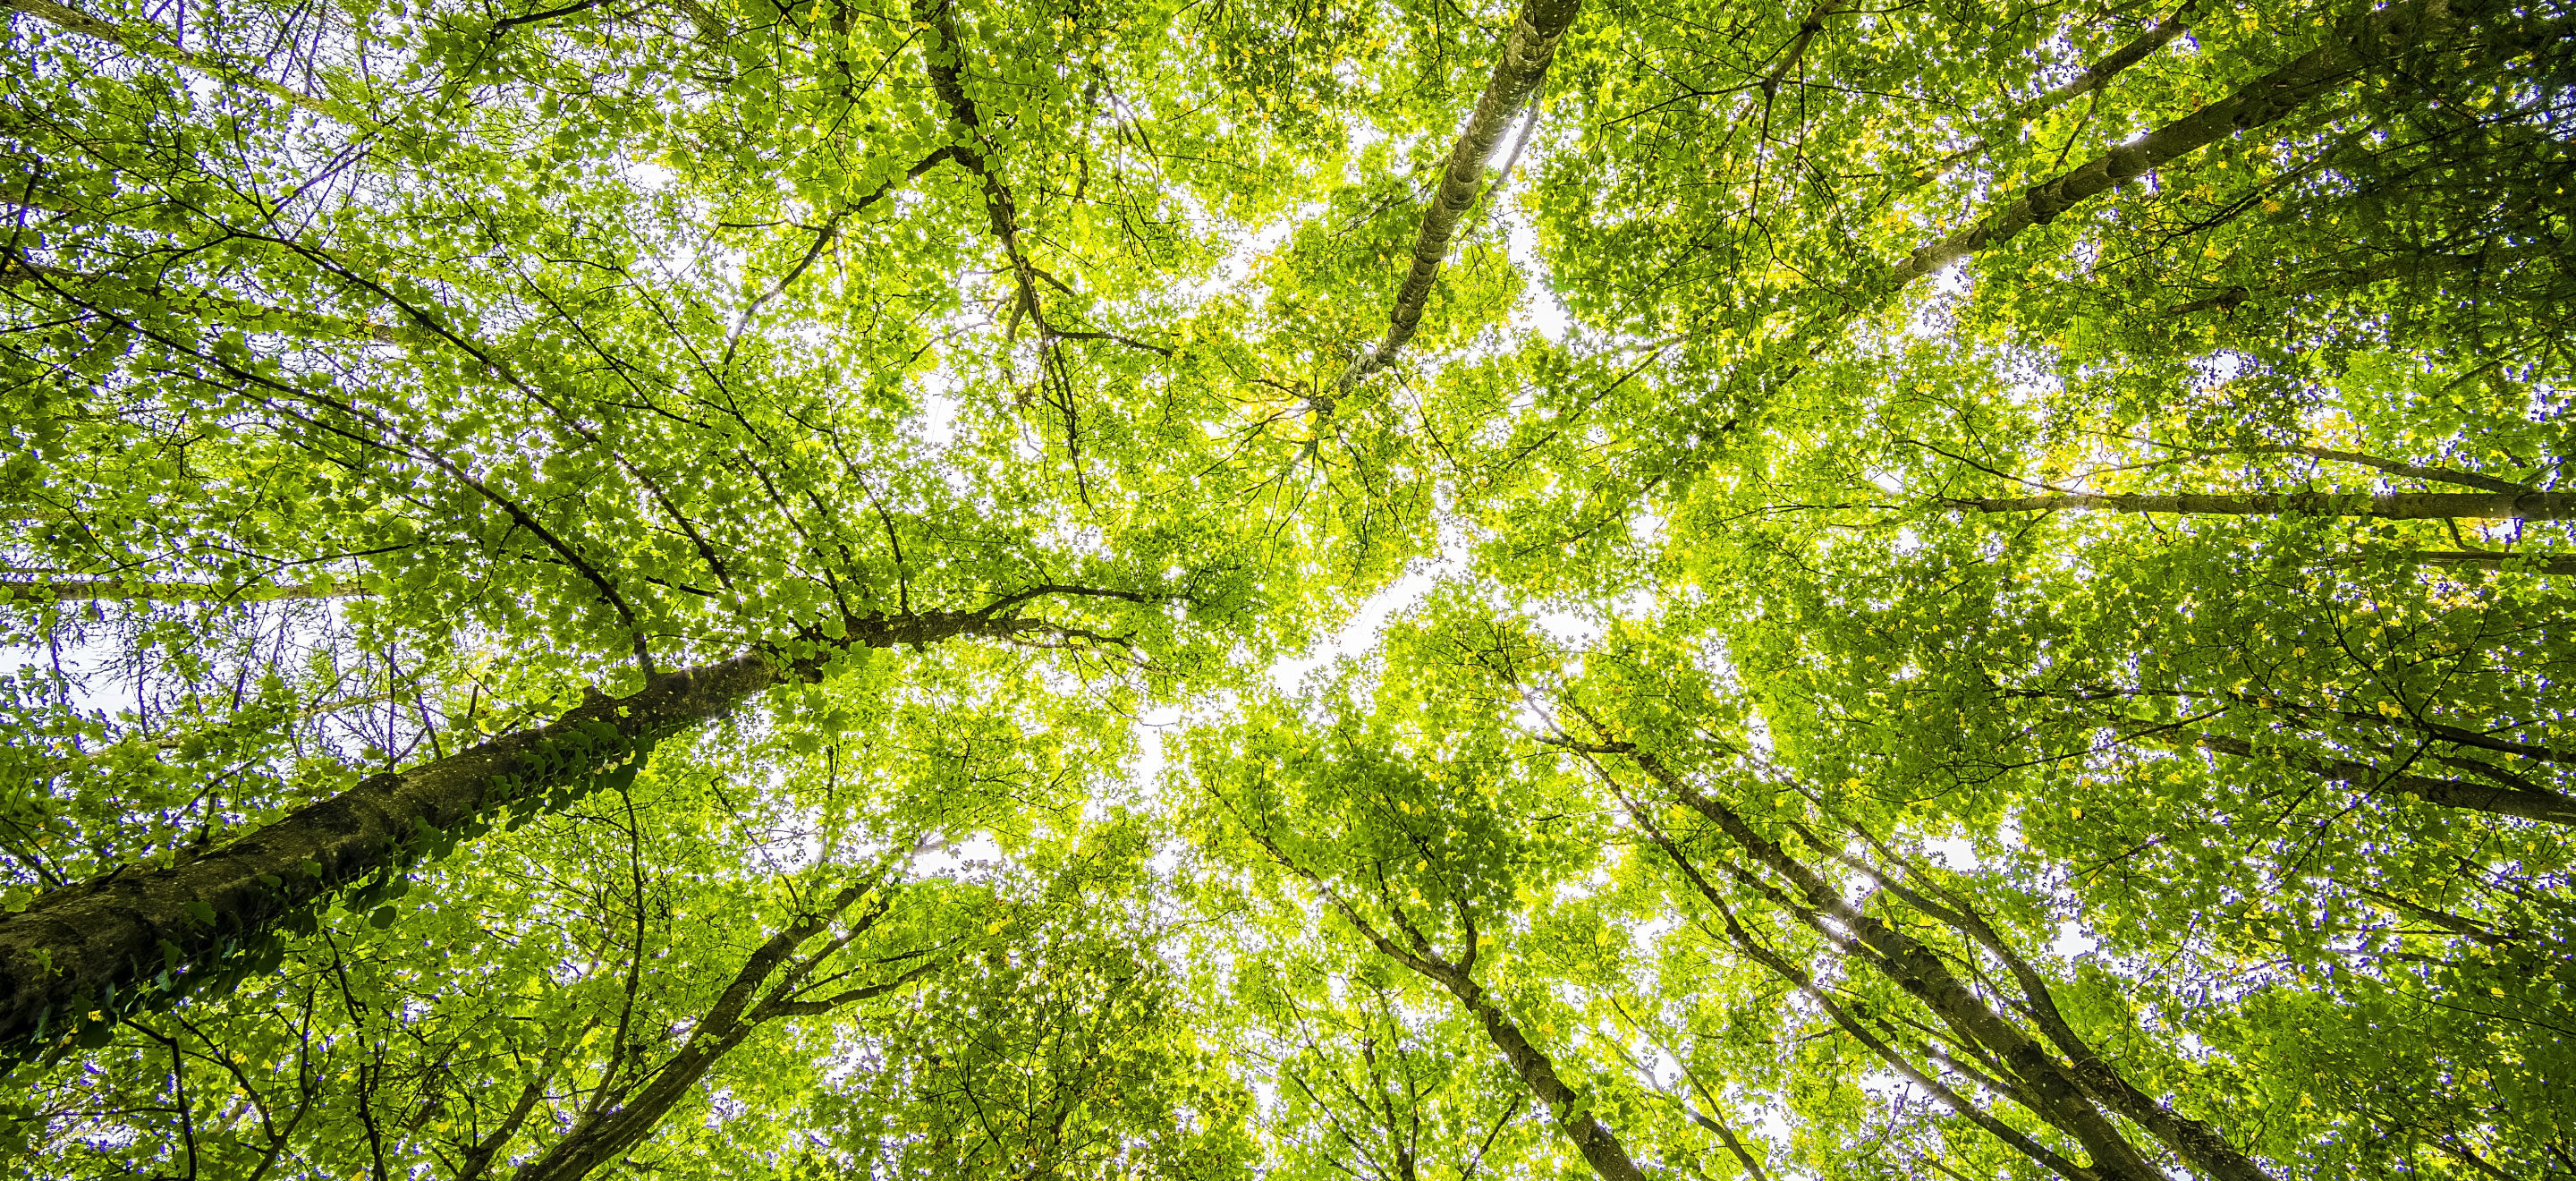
<point>1411,591</point>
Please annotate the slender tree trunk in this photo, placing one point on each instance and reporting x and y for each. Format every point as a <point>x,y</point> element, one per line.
<point>2537,564</point>
<point>479,1157</point>
<point>2093,77</point>
<point>89,290</point>
<point>2439,475</point>
<point>62,763</point>
<point>2416,506</point>
<point>1535,33</point>
<point>2495,799</point>
<point>973,149</point>
<point>74,590</point>
<point>147,45</point>
<point>127,940</point>
<point>1599,1145</point>
<point>2048,1086</point>
<point>2069,1094</point>
<point>738,1013</point>
<point>2351,46</point>
<point>2410,266</point>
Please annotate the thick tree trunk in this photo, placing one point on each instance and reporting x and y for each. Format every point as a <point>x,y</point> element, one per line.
<point>1535,33</point>
<point>82,955</point>
<point>2356,43</point>
<point>112,943</point>
<point>2418,506</point>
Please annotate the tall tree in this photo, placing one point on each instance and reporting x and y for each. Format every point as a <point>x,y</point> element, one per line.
<point>1416,591</point>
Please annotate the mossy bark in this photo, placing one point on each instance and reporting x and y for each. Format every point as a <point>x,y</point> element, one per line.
<point>2428,34</point>
<point>81,956</point>
<point>93,950</point>
<point>1515,81</point>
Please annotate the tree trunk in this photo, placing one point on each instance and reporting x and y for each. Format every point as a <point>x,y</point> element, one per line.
<point>88,290</point>
<point>82,955</point>
<point>146,45</point>
<point>2496,799</point>
<point>1599,1145</point>
<point>2537,564</point>
<point>2065,1093</point>
<point>1535,33</point>
<point>75,590</point>
<point>2091,78</point>
<point>971,148</point>
<point>2417,506</point>
<point>606,1134</point>
<point>2354,44</point>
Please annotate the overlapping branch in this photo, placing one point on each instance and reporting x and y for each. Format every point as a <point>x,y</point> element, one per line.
<point>1599,1146</point>
<point>2077,1093</point>
<point>146,45</point>
<point>126,941</point>
<point>2403,506</point>
<point>781,968</point>
<point>2354,45</point>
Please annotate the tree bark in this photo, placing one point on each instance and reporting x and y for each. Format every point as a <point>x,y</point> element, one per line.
<point>2099,74</point>
<point>2093,77</point>
<point>613,1131</point>
<point>2416,506</point>
<point>82,955</point>
<point>2069,1094</point>
<point>2537,564</point>
<point>2496,799</point>
<point>1599,1146</point>
<point>2438,475</point>
<point>1535,33</point>
<point>77,590</point>
<point>2411,266</point>
<point>90,290</point>
<point>479,1157</point>
<point>2354,44</point>
<point>972,150</point>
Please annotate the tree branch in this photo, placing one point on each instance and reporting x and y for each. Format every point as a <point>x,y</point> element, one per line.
<point>2370,37</point>
<point>2410,506</point>
<point>71,19</point>
<point>1513,85</point>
